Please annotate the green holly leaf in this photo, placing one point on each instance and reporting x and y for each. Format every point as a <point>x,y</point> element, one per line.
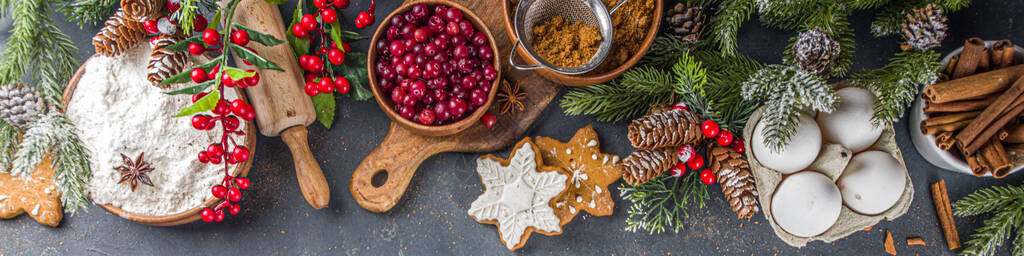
<point>260,37</point>
<point>192,90</point>
<point>336,31</point>
<point>236,74</point>
<point>324,104</point>
<point>350,36</point>
<point>215,21</point>
<point>354,69</point>
<point>299,45</point>
<point>255,59</point>
<point>202,105</point>
<point>357,92</point>
<point>182,45</point>
<point>186,75</point>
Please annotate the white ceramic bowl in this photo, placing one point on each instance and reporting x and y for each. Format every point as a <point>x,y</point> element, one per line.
<point>925,144</point>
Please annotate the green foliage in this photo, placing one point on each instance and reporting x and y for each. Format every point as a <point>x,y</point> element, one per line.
<point>89,12</point>
<point>204,104</point>
<point>787,91</point>
<point>627,97</point>
<point>834,20</point>
<point>37,51</point>
<point>663,202</point>
<point>186,15</point>
<point>54,135</point>
<point>726,24</point>
<point>888,20</point>
<point>1007,204</point>
<point>324,104</point>
<point>896,83</point>
<point>8,144</point>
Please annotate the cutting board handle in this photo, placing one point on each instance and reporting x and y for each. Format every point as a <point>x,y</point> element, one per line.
<point>310,177</point>
<point>396,159</point>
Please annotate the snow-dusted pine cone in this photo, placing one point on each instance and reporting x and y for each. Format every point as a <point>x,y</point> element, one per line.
<point>665,129</point>
<point>646,164</point>
<point>685,22</point>
<point>119,34</point>
<point>164,63</point>
<point>733,174</point>
<point>814,50</point>
<point>925,27</point>
<point>142,10</point>
<point>20,105</point>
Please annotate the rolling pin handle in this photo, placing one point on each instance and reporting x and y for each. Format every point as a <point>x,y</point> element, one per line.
<point>308,173</point>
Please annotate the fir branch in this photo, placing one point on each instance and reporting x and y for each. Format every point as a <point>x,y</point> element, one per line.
<point>896,83</point>
<point>996,230</point>
<point>8,144</point>
<point>89,12</point>
<point>629,96</point>
<point>1008,204</point>
<point>726,76</point>
<point>887,22</point>
<point>38,51</point>
<point>662,203</point>
<point>664,52</point>
<point>987,200</point>
<point>791,14</point>
<point>786,91</point>
<point>55,136</point>
<point>726,24</point>
<point>868,4</point>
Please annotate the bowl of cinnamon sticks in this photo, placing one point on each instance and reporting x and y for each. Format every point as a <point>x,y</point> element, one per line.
<point>972,120</point>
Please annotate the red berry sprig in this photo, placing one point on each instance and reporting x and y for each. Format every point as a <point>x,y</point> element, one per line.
<point>320,78</point>
<point>365,18</point>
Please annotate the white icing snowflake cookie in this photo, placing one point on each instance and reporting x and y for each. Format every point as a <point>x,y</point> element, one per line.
<point>517,195</point>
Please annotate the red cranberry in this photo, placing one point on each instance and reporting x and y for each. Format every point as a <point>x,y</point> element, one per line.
<point>409,100</point>
<point>420,11</point>
<point>426,117</point>
<point>418,88</point>
<point>397,95</point>
<point>404,84</point>
<point>409,59</point>
<point>393,33</point>
<point>431,50</point>
<point>453,14</point>
<point>466,28</point>
<point>401,69</point>
<point>441,112</point>
<point>397,21</point>
<point>489,120</point>
<point>386,85</point>
<point>479,39</point>
<point>457,40</point>
<point>397,48</point>
<point>407,112</point>
<point>410,18</point>
<point>406,31</point>
<point>420,59</point>
<point>477,97</point>
<point>460,52</point>
<point>485,53</point>
<point>456,106</point>
<point>490,73</point>
<point>440,9</point>
<point>452,28</point>
<point>414,72</point>
<point>388,73</point>
<point>436,24</point>
<point>468,82</point>
<point>465,65</point>
<point>439,95</point>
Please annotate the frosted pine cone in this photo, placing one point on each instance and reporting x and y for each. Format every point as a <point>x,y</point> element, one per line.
<point>733,174</point>
<point>164,63</point>
<point>925,27</point>
<point>119,34</point>
<point>20,105</point>
<point>814,50</point>
<point>142,10</point>
<point>685,22</point>
<point>646,164</point>
<point>665,129</point>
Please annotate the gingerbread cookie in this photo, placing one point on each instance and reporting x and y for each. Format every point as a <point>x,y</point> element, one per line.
<point>35,194</point>
<point>518,194</point>
<point>590,172</point>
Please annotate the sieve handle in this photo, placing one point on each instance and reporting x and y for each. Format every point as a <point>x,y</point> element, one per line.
<point>512,56</point>
<point>616,7</point>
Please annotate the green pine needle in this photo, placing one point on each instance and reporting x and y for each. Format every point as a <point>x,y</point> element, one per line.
<point>1007,203</point>
<point>787,91</point>
<point>8,144</point>
<point>90,12</point>
<point>897,83</point>
<point>726,24</point>
<point>987,200</point>
<point>55,135</point>
<point>663,202</point>
<point>627,97</point>
<point>37,51</point>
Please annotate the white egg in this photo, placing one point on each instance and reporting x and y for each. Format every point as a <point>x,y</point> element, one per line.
<point>806,204</point>
<point>872,182</point>
<point>802,149</point>
<point>850,124</point>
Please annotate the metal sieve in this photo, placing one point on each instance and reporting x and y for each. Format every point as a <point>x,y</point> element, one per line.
<point>587,12</point>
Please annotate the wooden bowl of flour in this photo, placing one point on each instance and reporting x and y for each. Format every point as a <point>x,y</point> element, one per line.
<point>191,215</point>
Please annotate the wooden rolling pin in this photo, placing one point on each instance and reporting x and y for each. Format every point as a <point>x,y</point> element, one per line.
<point>282,108</point>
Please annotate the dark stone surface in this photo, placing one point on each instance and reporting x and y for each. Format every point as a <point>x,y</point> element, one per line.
<point>432,219</point>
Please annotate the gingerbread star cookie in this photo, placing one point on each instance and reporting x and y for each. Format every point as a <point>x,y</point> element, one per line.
<point>518,194</point>
<point>590,172</point>
<point>35,194</point>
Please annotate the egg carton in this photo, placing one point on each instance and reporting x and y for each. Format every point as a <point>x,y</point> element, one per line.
<point>831,161</point>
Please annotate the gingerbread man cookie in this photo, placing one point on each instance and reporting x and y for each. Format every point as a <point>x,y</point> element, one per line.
<point>36,194</point>
<point>518,194</point>
<point>590,172</point>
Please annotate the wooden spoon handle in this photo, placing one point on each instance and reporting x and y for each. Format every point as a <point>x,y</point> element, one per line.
<point>311,178</point>
<point>398,157</point>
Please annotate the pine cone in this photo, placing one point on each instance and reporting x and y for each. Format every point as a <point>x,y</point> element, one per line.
<point>685,22</point>
<point>20,105</point>
<point>663,129</point>
<point>142,10</point>
<point>646,164</point>
<point>815,49</point>
<point>925,27</point>
<point>733,174</point>
<point>119,34</point>
<point>164,63</point>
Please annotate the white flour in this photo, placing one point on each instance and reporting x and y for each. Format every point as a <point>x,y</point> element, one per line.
<point>119,111</point>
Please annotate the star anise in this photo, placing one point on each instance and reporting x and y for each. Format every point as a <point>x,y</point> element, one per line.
<point>134,172</point>
<point>510,96</point>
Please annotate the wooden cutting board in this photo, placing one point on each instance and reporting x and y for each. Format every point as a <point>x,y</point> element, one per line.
<point>402,152</point>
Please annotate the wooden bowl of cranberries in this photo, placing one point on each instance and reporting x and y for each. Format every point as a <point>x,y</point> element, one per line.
<point>433,67</point>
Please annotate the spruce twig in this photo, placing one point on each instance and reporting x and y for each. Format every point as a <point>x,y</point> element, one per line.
<point>786,91</point>
<point>8,144</point>
<point>896,83</point>
<point>90,12</point>
<point>663,202</point>
<point>55,135</point>
<point>629,96</point>
<point>1007,203</point>
<point>37,50</point>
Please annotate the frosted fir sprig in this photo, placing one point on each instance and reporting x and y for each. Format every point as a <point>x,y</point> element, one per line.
<point>8,144</point>
<point>1006,203</point>
<point>897,83</point>
<point>662,203</point>
<point>54,135</point>
<point>786,91</point>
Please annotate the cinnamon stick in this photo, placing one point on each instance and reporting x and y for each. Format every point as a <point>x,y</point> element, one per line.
<point>1001,53</point>
<point>997,159</point>
<point>1018,148</point>
<point>948,71</point>
<point>1006,107</point>
<point>958,106</point>
<point>945,140</point>
<point>970,57</point>
<point>984,64</point>
<point>941,200</point>
<point>973,86</point>
<point>951,118</point>
<point>978,168</point>
<point>1015,134</point>
<point>940,128</point>
<point>994,128</point>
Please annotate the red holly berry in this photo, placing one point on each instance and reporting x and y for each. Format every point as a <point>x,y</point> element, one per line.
<point>241,153</point>
<point>218,216</point>
<point>489,120</point>
<point>172,6</point>
<point>203,158</point>
<point>336,56</point>
<point>252,80</point>
<point>737,144</point>
<point>240,37</point>
<point>680,105</point>
<point>678,170</point>
<point>311,89</point>
<point>201,122</point>
<point>341,3</point>
<point>320,3</point>
<point>308,22</point>
<point>196,49</point>
<point>345,47</point>
<point>219,191</point>
<point>222,108</point>
<point>239,107</point>
<point>724,138</point>
<point>326,85</point>
<point>342,85</point>
<point>685,153</point>
<point>227,81</point>
<point>315,65</point>
<point>696,162</point>
<point>199,75</point>
<point>709,128</point>
<point>214,151</point>
<point>707,177</point>
<point>207,215</point>
<point>243,183</point>
<point>234,209</point>
<point>211,37</point>
<point>214,160</point>
<point>199,23</point>
<point>151,27</point>
<point>329,15</point>
<point>230,123</point>
<point>234,195</point>
<point>299,31</point>
<point>213,72</point>
<point>197,96</point>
